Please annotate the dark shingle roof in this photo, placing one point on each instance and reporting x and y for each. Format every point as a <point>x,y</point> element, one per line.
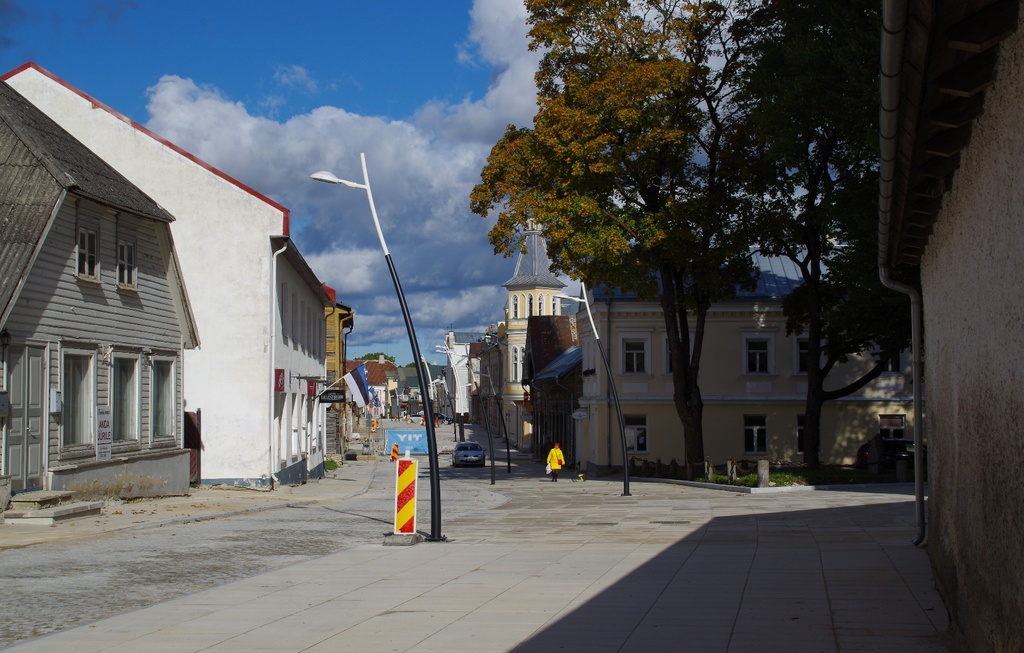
<point>533,267</point>
<point>39,160</point>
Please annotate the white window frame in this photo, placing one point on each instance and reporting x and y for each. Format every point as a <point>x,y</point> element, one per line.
<point>285,325</point>
<point>116,403</point>
<point>892,426</point>
<point>895,366</point>
<point>769,341</point>
<point>554,306</point>
<point>78,414</point>
<point>127,265</point>
<point>515,307</point>
<point>540,304</point>
<point>755,434</point>
<point>87,254</point>
<point>158,412</point>
<point>801,362</point>
<point>637,440</point>
<point>628,355</point>
<point>800,434</point>
<point>529,305</point>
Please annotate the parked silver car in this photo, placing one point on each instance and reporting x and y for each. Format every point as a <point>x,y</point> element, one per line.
<point>467,453</point>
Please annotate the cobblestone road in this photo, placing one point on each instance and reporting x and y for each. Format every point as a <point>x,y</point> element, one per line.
<point>52,586</point>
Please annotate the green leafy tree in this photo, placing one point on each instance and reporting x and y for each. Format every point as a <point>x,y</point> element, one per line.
<point>812,101</point>
<point>633,166</point>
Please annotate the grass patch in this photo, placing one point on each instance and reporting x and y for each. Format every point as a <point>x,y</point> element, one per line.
<point>331,465</point>
<point>800,476</point>
<point>778,476</point>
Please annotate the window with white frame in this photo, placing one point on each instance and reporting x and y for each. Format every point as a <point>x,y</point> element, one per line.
<point>514,367</point>
<point>636,433</point>
<point>295,322</point>
<point>755,434</point>
<point>529,305</point>
<point>757,353</point>
<point>891,426</point>
<point>554,306</point>
<point>88,253</point>
<point>162,397</point>
<point>800,434</point>
<point>802,345</point>
<point>283,299</point>
<point>634,356</point>
<point>124,397</point>
<point>515,306</point>
<point>126,274</point>
<point>894,365</point>
<point>78,397</point>
<point>540,304</point>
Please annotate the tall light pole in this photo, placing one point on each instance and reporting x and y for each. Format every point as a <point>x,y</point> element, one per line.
<point>421,374</point>
<point>611,386</point>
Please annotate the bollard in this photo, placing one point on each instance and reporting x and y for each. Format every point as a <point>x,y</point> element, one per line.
<point>730,470</point>
<point>708,469</point>
<point>762,472</point>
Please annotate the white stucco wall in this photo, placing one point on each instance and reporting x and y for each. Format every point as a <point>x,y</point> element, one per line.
<point>974,353</point>
<point>222,235</point>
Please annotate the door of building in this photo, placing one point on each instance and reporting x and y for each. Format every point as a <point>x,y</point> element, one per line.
<point>23,450</point>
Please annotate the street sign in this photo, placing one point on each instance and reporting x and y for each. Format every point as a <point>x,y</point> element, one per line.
<point>332,396</point>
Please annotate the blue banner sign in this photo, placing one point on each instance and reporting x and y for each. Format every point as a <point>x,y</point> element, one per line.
<point>413,441</point>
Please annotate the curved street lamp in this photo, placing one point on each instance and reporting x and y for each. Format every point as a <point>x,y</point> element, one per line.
<point>421,374</point>
<point>611,385</point>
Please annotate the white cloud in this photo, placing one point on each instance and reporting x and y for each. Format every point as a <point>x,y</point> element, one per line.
<point>421,174</point>
<point>295,77</point>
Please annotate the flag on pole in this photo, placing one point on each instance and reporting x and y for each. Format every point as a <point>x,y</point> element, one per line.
<point>357,385</point>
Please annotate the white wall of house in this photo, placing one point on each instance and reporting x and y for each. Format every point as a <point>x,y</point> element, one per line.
<point>222,233</point>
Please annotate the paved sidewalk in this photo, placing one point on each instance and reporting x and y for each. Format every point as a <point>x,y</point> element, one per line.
<point>574,567</point>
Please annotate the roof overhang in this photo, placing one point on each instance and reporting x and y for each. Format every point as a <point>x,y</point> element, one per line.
<point>938,57</point>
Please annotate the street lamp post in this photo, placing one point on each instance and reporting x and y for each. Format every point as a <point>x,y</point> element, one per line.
<point>421,374</point>
<point>611,385</point>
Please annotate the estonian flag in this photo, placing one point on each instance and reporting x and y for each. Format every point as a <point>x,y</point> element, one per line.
<point>357,385</point>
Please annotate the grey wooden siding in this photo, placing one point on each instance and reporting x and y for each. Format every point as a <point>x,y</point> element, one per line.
<point>57,307</point>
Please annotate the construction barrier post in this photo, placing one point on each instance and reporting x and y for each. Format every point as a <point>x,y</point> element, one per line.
<point>405,495</point>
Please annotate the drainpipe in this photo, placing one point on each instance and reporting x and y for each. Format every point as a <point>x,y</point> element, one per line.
<point>894,15</point>
<point>273,359</point>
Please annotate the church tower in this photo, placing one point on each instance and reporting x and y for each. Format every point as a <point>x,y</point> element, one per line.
<point>532,290</point>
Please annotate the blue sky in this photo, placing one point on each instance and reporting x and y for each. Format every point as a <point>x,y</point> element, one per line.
<point>271,92</point>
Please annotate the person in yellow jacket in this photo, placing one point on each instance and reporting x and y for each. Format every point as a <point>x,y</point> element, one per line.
<point>555,461</point>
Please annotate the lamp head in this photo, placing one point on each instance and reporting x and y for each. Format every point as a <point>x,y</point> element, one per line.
<point>5,338</point>
<point>329,178</point>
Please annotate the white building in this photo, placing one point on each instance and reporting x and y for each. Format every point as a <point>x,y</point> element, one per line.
<point>257,303</point>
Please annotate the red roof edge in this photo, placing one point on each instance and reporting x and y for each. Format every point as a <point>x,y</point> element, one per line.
<point>331,292</point>
<point>160,139</point>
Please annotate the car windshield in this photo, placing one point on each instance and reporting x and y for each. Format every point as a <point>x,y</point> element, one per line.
<point>468,446</point>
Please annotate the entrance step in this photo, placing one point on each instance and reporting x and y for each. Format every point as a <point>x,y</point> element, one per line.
<point>48,507</point>
<point>40,499</point>
<point>54,515</point>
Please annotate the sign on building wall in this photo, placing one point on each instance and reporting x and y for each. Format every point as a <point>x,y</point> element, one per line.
<point>104,432</point>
